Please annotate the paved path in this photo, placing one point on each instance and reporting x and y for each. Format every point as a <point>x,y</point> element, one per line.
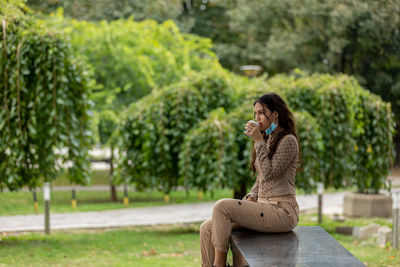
<point>171,214</point>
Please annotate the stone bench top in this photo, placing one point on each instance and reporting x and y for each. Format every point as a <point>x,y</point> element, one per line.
<point>304,246</point>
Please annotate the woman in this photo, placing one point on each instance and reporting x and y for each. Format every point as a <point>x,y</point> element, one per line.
<point>271,205</point>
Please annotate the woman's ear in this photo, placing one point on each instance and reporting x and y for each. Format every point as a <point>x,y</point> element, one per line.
<point>276,115</point>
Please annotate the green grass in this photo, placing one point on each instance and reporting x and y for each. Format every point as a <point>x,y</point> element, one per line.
<point>156,246</point>
<point>18,203</point>
<point>175,246</point>
<point>21,202</point>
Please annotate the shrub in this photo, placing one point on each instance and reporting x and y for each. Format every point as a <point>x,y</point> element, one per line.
<point>44,91</point>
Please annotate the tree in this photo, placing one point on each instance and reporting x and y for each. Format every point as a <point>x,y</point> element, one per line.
<point>129,60</point>
<point>45,112</point>
<point>359,38</point>
<point>97,10</point>
<point>154,127</point>
<point>345,135</point>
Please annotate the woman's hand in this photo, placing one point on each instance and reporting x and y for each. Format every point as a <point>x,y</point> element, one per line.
<point>251,199</point>
<point>254,132</point>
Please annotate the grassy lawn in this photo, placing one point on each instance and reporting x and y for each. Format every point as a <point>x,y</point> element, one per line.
<point>155,246</point>
<point>172,246</point>
<point>21,202</point>
<point>16,203</point>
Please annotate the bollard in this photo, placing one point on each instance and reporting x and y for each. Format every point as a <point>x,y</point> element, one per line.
<point>166,198</point>
<point>46,197</point>
<point>199,195</point>
<point>126,198</point>
<point>320,190</point>
<point>35,201</point>
<point>73,201</point>
<point>395,232</point>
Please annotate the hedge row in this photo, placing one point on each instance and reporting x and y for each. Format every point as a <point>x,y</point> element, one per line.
<point>155,126</point>
<point>216,153</point>
<point>44,115</point>
<point>345,133</point>
<point>357,127</point>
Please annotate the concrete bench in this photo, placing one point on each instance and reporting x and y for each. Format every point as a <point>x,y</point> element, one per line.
<point>304,246</point>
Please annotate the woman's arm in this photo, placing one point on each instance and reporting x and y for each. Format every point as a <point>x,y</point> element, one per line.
<point>254,191</point>
<point>285,152</point>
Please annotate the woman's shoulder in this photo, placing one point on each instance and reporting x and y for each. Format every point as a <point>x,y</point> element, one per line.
<point>290,139</point>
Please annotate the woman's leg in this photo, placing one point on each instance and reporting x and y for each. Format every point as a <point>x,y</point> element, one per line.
<point>220,258</point>
<point>206,246</point>
<point>238,260</point>
<point>221,231</point>
<point>248,214</point>
<point>251,215</point>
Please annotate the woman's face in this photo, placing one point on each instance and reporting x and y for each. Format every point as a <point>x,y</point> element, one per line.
<point>264,117</point>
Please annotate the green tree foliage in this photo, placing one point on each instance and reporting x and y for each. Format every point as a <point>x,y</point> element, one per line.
<point>130,59</point>
<point>207,171</point>
<point>356,126</point>
<point>345,137</point>
<point>374,150</point>
<point>44,115</point>
<point>216,153</point>
<point>311,149</point>
<point>355,37</point>
<point>155,126</point>
<point>97,10</point>
<point>360,38</point>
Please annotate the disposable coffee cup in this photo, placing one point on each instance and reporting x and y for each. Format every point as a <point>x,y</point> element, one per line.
<point>254,122</point>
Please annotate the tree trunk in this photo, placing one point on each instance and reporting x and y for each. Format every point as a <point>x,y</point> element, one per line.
<point>397,145</point>
<point>341,62</point>
<point>241,192</point>
<point>113,190</point>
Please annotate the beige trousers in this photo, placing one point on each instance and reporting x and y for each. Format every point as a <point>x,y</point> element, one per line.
<point>274,214</point>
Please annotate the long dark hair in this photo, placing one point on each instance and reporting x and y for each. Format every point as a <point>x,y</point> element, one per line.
<point>286,121</point>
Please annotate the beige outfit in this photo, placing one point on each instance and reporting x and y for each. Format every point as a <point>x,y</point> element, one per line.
<point>276,209</point>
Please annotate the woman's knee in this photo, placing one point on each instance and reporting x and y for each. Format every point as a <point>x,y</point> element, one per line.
<point>206,226</point>
<point>221,204</point>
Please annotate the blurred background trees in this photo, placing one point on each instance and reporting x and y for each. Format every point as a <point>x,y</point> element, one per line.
<point>129,60</point>
<point>45,108</point>
<point>155,73</point>
<point>360,38</point>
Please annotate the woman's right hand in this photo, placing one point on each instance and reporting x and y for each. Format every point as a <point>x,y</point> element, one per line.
<point>251,199</point>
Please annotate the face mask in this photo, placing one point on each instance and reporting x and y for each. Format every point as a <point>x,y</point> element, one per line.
<point>271,128</point>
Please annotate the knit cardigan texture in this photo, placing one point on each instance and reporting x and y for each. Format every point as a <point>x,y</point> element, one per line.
<point>276,175</point>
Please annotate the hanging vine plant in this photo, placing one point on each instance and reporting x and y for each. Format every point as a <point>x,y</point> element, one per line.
<point>44,115</point>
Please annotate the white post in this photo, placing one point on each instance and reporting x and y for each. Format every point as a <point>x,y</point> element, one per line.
<point>46,197</point>
<point>395,232</point>
<point>320,190</point>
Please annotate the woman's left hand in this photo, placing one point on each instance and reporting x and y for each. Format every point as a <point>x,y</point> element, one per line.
<point>254,132</point>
